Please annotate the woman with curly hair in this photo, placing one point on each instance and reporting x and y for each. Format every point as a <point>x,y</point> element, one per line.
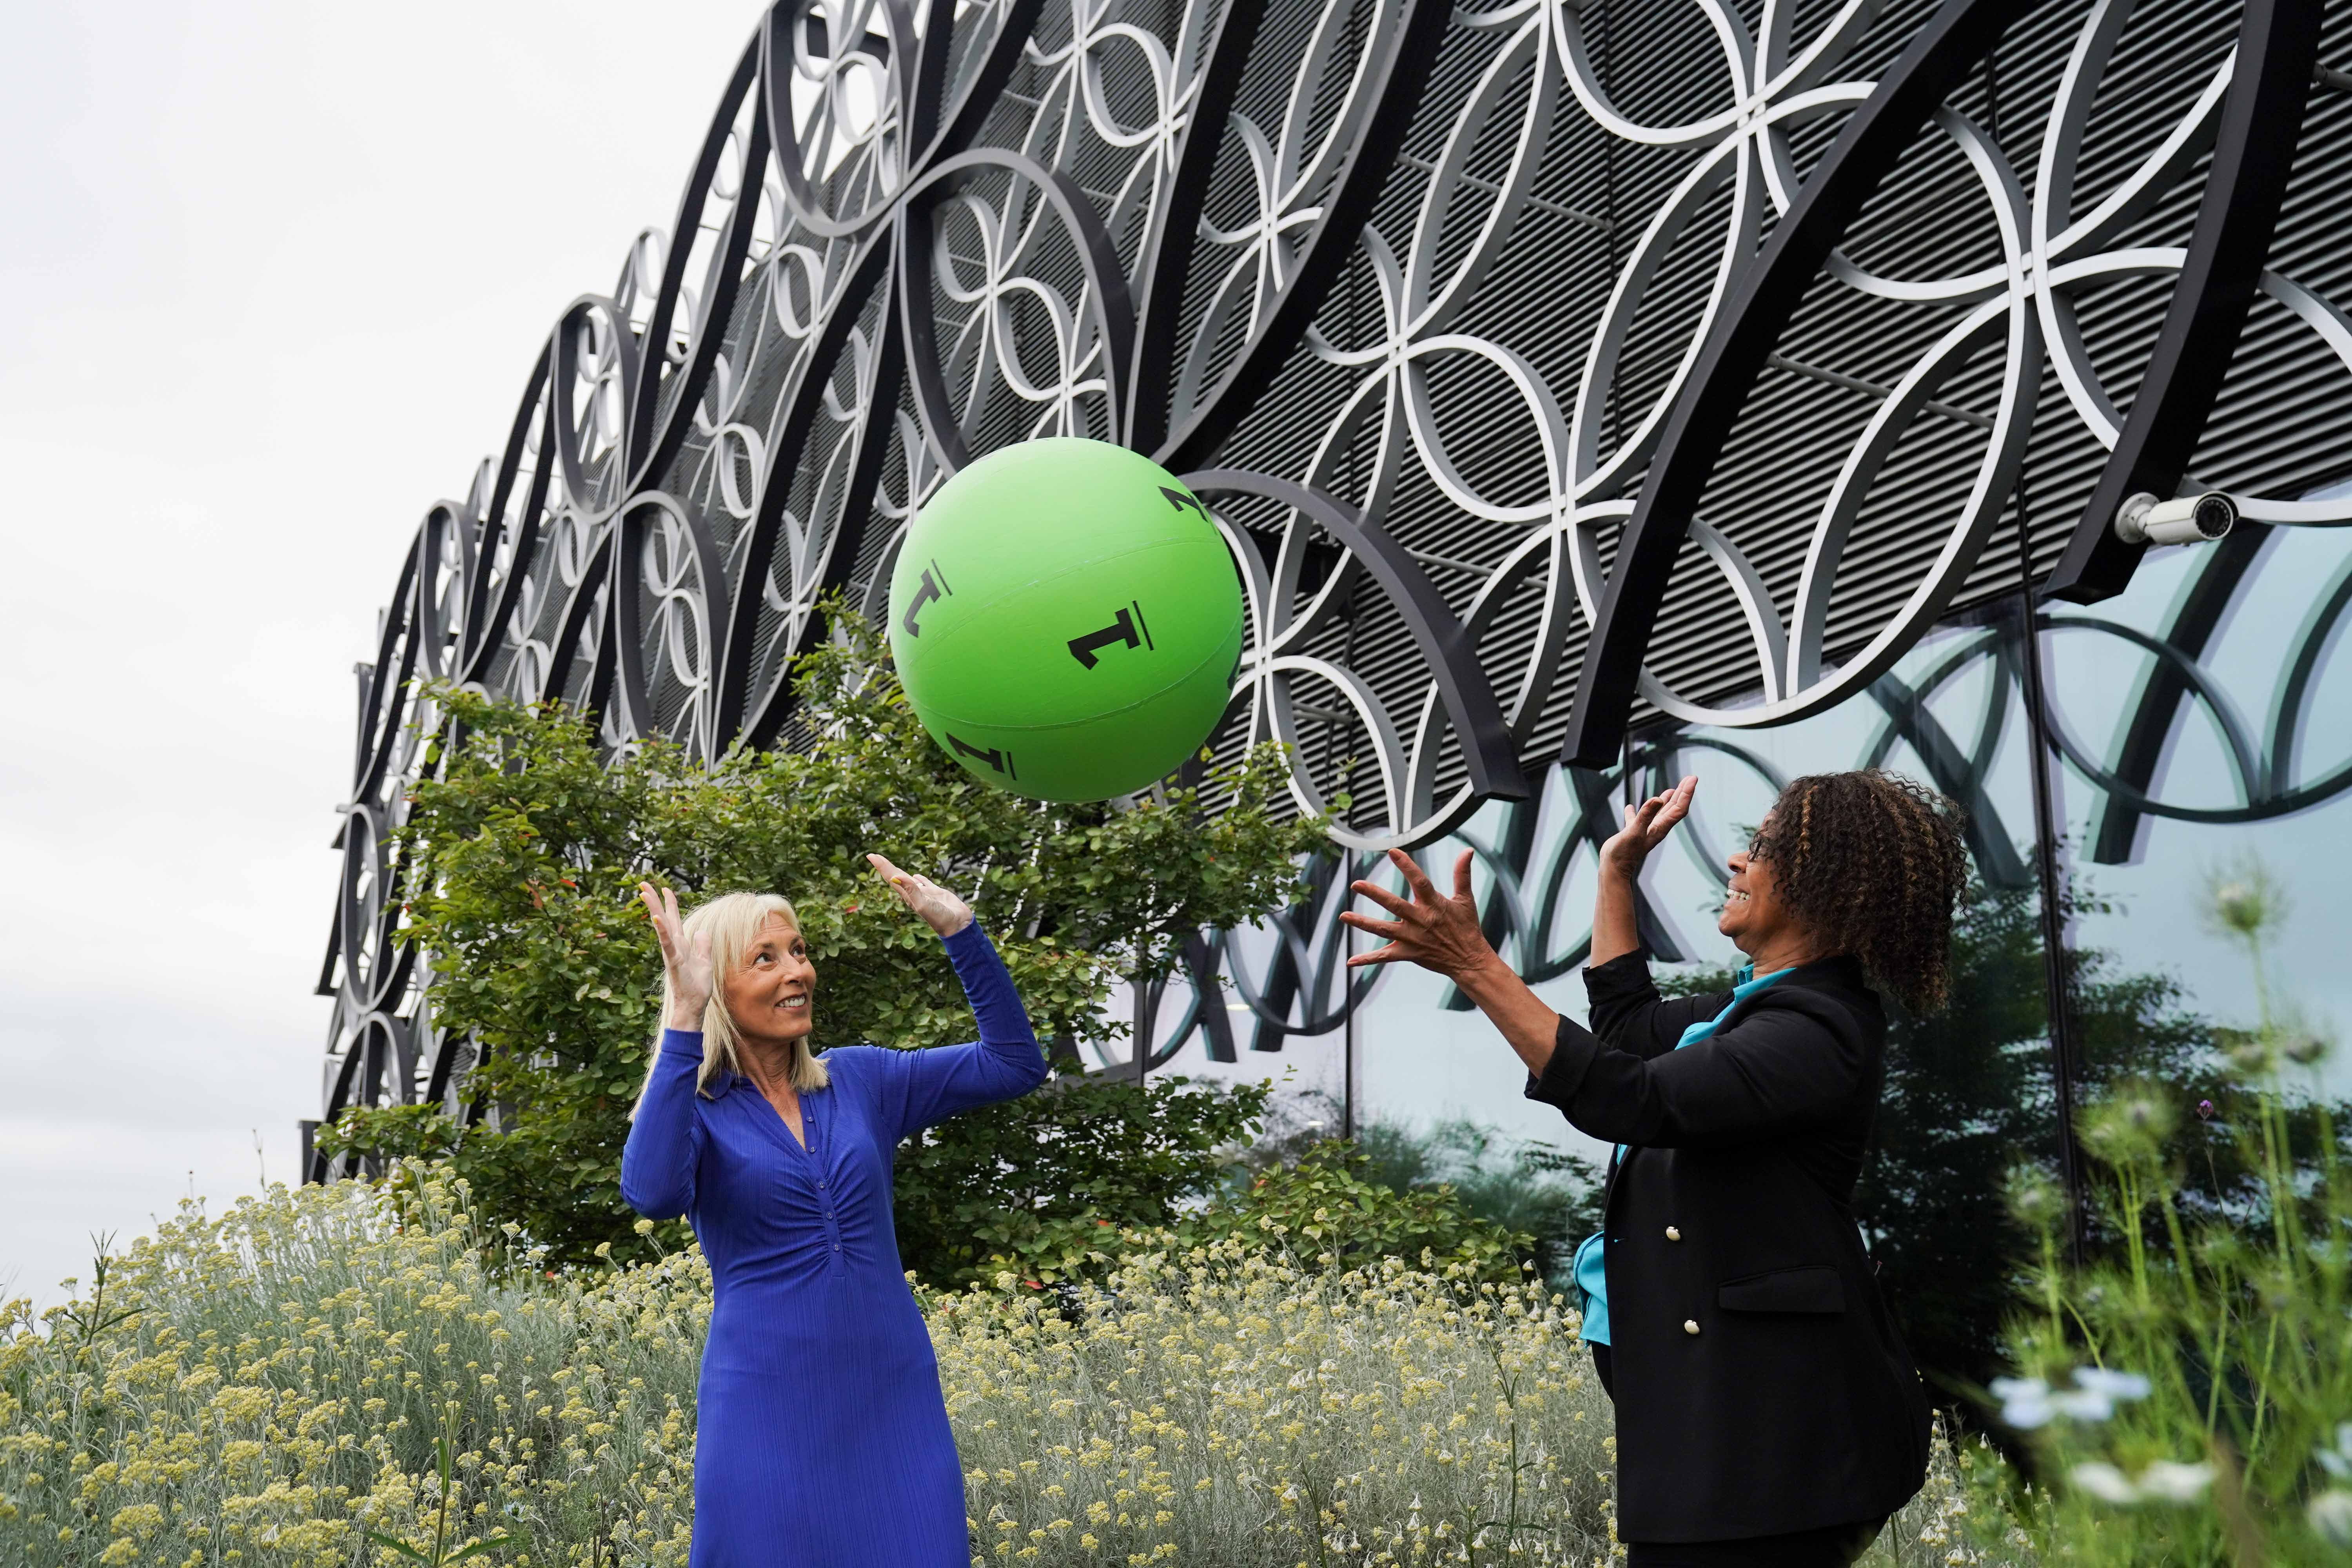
<point>1767,1412</point>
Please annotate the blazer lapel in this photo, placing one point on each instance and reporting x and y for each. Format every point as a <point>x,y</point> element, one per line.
<point>1734,1005</point>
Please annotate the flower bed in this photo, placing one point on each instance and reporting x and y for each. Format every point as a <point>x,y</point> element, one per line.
<point>267,1388</point>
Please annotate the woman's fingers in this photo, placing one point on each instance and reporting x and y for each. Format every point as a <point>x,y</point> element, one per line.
<point>901,883</point>
<point>905,886</point>
<point>1387,931</point>
<point>1396,904</point>
<point>1437,932</point>
<point>662,923</point>
<point>1414,877</point>
<point>1655,817</point>
<point>1423,892</point>
<point>941,909</point>
<point>1672,806</point>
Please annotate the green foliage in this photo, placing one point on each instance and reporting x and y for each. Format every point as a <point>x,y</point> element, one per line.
<point>338,1377</point>
<point>524,844</point>
<point>1526,1187</point>
<point>2185,1387</point>
<point>81,1322</point>
<point>441,1551</point>
<point>326,1375</point>
<point>1328,1207</point>
<point>1520,1184</point>
<point>1043,1188</point>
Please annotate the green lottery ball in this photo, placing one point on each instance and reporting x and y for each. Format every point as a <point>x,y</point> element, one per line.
<point>1065,619</point>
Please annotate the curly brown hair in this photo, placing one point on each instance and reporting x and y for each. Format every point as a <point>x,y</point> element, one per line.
<point>1871,864</point>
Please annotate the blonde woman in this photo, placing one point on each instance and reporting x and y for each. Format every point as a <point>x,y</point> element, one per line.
<point>821,1437</point>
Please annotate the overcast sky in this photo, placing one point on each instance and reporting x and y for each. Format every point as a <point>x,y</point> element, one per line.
<point>273,275</point>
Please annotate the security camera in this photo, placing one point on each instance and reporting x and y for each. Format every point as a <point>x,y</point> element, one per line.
<point>2184,520</point>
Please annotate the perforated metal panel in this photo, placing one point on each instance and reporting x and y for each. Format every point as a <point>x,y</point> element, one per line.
<point>1549,367</point>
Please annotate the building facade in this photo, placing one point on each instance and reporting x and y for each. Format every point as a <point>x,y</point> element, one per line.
<point>1590,390</point>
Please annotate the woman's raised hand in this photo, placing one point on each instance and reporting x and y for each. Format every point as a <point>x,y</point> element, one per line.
<point>691,973</point>
<point>1431,930</point>
<point>1646,826</point>
<point>941,910</point>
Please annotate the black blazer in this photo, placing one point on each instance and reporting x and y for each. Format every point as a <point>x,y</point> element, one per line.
<point>1760,1385</point>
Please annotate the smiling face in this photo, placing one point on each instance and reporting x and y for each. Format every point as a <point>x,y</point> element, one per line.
<point>1753,915</point>
<point>771,994</point>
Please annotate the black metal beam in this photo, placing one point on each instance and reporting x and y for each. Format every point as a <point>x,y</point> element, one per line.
<point>1487,749</point>
<point>1393,87</point>
<point>2278,44</point>
<point>1761,304</point>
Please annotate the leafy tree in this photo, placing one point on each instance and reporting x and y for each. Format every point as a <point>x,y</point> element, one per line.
<point>1526,1187</point>
<point>2195,1359</point>
<point>1046,1185</point>
<point>1969,1092</point>
<point>1330,1202</point>
<point>522,850</point>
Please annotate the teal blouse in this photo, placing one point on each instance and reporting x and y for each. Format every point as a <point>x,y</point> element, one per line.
<point>1592,1273</point>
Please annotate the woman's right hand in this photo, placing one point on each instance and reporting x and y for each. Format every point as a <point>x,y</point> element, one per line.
<point>691,974</point>
<point>1646,826</point>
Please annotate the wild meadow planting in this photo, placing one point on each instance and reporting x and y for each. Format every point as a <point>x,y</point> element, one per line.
<point>281,1385</point>
<point>1311,1370</point>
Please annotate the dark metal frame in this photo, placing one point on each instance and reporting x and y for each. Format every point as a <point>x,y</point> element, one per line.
<point>475,568</point>
<point>1759,311</point>
<point>2278,46</point>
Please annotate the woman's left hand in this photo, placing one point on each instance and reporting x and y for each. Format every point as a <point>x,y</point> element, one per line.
<point>941,910</point>
<point>1432,930</point>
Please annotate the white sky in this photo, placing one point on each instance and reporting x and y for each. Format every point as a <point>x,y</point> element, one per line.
<point>273,274</point>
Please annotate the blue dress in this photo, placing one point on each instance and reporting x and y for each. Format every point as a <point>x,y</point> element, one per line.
<point>821,1438</point>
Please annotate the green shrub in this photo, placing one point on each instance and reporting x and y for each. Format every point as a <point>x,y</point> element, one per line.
<point>276,1379</point>
<point>1552,1198</point>
<point>1328,1206</point>
<point>1043,1185</point>
<point>524,846</point>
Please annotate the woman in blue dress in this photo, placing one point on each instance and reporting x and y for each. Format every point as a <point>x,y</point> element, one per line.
<point>821,1438</point>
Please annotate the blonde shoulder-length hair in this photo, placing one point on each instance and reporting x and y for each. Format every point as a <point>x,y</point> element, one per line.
<point>734,922</point>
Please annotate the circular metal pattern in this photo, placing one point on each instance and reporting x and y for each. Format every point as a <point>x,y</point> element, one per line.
<point>1949,721</point>
<point>1492,336</point>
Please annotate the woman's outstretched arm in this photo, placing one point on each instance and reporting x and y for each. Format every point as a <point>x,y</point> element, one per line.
<point>924,1087</point>
<point>1004,1063</point>
<point>1443,933</point>
<point>1797,1057</point>
<point>665,1142</point>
